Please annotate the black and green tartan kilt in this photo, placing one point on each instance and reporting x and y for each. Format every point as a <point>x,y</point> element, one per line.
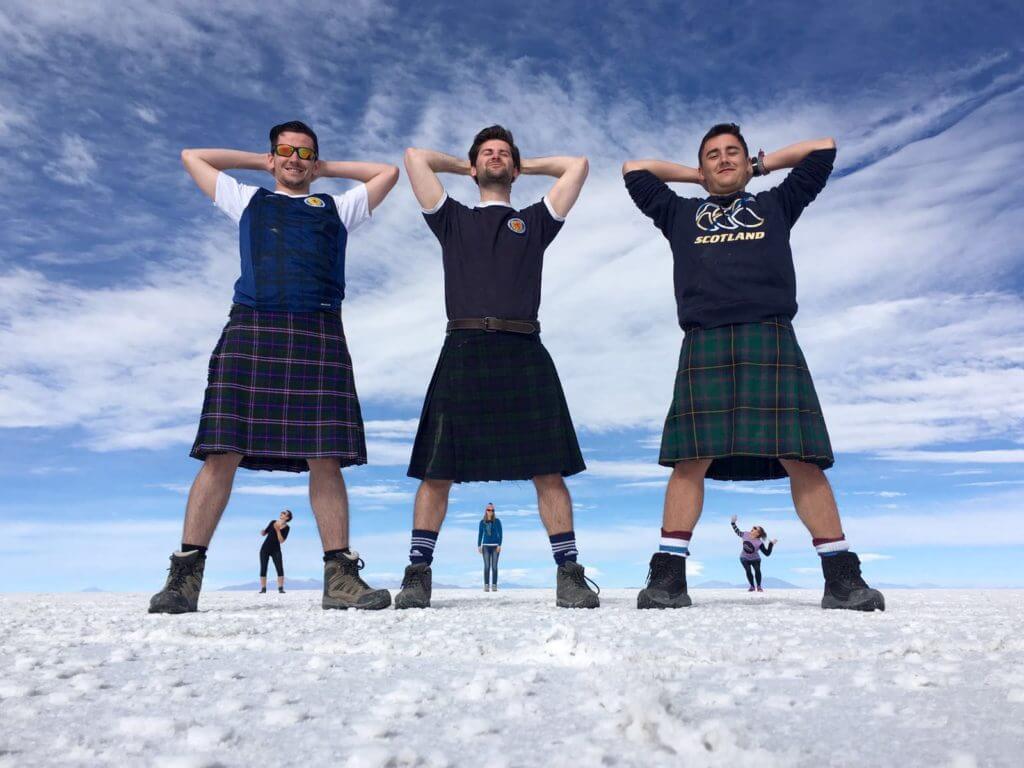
<point>495,410</point>
<point>744,398</point>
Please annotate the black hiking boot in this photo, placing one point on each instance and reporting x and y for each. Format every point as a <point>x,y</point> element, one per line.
<point>844,587</point>
<point>184,580</point>
<point>343,588</point>
<point>572,589</point>
<point>415,587</point>
<point>666,583</point>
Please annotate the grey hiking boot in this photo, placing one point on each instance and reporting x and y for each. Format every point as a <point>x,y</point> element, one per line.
<point>666,583</point>
<point>572,590</point>
<point>184,580</point>
<point>415,587</point>
<point>844,587</point>
<point>343,588</point>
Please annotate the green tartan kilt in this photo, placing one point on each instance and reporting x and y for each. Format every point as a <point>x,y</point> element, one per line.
<point>744,398</point>
<point>495,410</point>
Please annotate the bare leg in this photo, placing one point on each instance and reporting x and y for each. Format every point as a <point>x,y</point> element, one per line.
<point>329,500</point>
<point>684,497</point>
<point>280,582</point>
<point>554,503</point>
<point>431,505</point>
<point>209,495</point>
<point>263,582</point>
<point>813,499</point>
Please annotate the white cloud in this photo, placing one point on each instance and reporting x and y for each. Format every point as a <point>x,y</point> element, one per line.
<point>1007,456</point>
<point>74,164</point>
<point>147,114</point>
<point>870,557</point>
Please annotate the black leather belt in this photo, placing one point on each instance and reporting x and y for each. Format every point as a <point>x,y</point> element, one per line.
<point>493,324</point>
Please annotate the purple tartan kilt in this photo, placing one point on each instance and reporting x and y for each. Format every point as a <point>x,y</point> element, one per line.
<point>280,391</point>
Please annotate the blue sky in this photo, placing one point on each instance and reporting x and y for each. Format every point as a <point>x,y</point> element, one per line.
<point>116,273</point>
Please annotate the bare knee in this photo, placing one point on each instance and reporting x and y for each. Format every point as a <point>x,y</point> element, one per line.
<point>803,470</point>
<point>222,463</point>
<point>436,487</point>
<point>324,466</point>
<point>691,469</point>
<point>553,483</point>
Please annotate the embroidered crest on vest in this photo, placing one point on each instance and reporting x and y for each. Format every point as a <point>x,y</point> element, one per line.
<point>314,202</point>
<point>517,225</point>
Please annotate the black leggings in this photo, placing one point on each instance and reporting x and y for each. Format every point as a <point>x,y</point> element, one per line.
<point>755,566</point>
<point>265,555</point>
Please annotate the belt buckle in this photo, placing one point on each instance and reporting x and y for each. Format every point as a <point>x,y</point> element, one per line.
<point>487,324</point>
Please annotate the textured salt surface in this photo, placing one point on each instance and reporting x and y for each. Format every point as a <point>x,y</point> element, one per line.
<point>507,679</point>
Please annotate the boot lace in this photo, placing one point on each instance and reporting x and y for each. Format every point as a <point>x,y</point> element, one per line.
<point>659,570</point>
<point>580,579</point>
<point>413,577</point>
<point>351,569</point>
<point>179,572</point>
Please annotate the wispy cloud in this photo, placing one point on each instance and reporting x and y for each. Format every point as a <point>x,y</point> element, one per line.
<point>74,164</point>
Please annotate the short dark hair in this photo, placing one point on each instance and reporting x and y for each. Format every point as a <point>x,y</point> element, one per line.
<point>717,130</point>
<point>494,132</point>
<point>289,513</point>
<point>293,126</point>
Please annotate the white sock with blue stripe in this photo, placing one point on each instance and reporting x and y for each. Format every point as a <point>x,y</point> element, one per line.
<point>675,542</point>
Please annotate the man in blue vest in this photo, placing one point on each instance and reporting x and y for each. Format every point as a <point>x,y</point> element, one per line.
<point>281,393</point>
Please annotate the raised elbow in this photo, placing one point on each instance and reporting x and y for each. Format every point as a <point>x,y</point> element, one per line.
<point>187,155</point>
<point>629,166</point>
<point>412,154</point>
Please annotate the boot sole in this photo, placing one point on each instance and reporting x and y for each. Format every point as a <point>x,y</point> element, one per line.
<point>401,605</point>
<point>871,604</point>
<point>338,604</point>
<point>644,600</point>
<point>171,610</point>
<point>567,604</point>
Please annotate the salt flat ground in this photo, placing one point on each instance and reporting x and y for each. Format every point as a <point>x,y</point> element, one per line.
<point>507,679</point>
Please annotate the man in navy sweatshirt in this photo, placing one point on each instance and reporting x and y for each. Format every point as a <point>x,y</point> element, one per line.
<point>744,407</point>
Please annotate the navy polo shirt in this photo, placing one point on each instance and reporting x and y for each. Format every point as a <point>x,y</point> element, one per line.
<point>493,256</point>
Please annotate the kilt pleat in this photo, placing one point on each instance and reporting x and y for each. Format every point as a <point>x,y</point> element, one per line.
<point>494,410</point>
<point>280,391</point>
<point>744,398</point>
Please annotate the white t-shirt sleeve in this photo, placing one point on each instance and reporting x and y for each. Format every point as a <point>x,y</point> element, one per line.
<point>233,196</point>
<point>353,207</point>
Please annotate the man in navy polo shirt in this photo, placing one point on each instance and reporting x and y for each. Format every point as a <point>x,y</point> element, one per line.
<point>495,409</point>
<point>745,407</point>
<point>281,394</point>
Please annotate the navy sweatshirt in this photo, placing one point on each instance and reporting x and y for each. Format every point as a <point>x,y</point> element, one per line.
<point>732,261</point>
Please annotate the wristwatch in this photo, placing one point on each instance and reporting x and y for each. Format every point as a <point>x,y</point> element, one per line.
<point>757,163</point>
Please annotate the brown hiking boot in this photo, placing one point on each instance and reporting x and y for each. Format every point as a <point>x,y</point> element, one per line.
<point>343,588</point>
<point>184,580</point>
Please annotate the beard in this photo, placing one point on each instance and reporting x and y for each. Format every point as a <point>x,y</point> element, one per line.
<point>495,177</point>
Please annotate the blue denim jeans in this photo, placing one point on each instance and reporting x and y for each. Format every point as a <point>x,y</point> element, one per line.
<point>491,566</point>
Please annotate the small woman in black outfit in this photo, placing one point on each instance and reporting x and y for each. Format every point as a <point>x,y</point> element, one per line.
<point>276,532</point>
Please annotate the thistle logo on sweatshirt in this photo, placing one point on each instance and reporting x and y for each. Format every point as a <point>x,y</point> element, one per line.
<point>730,223</point>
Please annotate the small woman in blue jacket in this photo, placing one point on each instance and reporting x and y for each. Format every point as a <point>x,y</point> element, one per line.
<point>488,543</point>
